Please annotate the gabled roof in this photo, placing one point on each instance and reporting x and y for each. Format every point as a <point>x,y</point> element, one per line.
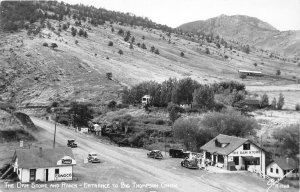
<point>233,144</point>
<point>285,163</point>
<point>37,157</point>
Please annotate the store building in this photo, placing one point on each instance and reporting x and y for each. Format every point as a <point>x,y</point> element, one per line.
<point>234,153</point>
<point>38,164</point>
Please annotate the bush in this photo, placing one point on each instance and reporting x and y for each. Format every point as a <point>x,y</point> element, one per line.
<point>109,76</point>
<point>110,43</point>
<point>278,72</point>
<point>112,104</point>
<point>297,107</point>
<point>53,45</point>
<point>45,44</point>
<point>122,106</point>
<point>182,54</point>
<point>120,52</point>
<point>76,42</point>
<point>159,122</point>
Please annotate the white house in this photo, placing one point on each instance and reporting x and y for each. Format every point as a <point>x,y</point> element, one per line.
<point>146,99</point>
<point>234,153</point>
<point>279,167</point>
<point>53,164</point>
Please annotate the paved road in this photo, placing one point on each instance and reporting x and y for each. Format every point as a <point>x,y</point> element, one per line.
<point>126,164</point>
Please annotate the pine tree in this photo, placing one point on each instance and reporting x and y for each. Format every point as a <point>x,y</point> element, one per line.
<point>280,102</point>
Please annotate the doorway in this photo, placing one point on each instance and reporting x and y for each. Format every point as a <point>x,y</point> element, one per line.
<point>32,175</point>
<point>47,174</point>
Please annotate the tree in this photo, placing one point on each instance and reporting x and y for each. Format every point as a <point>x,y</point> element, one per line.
<point>278,72</point>
<point>76,42</point>
<point>207,51</point>
<point>173,114</point>
<point>243,76</point>
<point>143,46</point>
<point>109,76</point>
<point>74,31</point>
<point>182,54</point>
<point>81,32</point>
<point>280,102</point>
<point>112,104</point>
<point>288,140</point>
<point>143,37</point>
<point>121,32</point>
<point>82,114</point>
<point>85,34</point>
<point>110,43</point>
<point>152,49</point>
<point>120,52</point>
<point>264,102</point>
<point>273,104</point>
<point>53,45</point>
<point>131,46</point>
<point>230,122</point>
<point>156,51</point>
<point>203,97</point>
<point>297,107</point>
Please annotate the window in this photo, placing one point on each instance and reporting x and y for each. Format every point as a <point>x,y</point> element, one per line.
<point>32,173</point>
<point>236,160</point>
<point>56,171</point>
<point>276,170</point>
<point>220,159</point>
<point>255,161</point>
<point>271,170</point>
<point>246,146</point>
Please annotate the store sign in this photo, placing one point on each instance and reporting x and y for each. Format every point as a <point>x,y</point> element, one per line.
<point>245,152</point>
<point>64,176</point>
<point>66,161</point>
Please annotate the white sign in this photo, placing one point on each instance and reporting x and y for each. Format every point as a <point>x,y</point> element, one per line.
<point>63,176</point>
<point>245,152</point>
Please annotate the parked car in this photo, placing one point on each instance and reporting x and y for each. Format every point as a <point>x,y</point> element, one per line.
<point>71,143</point>
<point>93,158</point>
<point>190,162</point>
<point>176,153</point>
<point>156,154</point>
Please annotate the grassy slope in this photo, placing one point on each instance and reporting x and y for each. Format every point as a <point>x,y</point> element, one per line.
<point>76,72</point>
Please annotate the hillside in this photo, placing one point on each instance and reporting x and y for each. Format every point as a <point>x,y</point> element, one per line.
<point>33,74</point>
<point>249,30</point>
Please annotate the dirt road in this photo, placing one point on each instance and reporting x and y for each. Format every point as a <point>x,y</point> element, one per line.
<point>131,166</point>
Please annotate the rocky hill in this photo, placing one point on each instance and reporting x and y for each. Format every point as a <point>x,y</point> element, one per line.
<point>249,30</point>
<point>34,73</point>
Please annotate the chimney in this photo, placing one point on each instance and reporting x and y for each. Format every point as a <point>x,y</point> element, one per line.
<point>40,152</point>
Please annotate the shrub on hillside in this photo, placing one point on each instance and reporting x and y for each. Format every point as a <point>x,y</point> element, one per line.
<point>297,107</point>
<point>112,104</point>
<point>159,122</point>
<point>110,43</point>
<point>182,54</point>
<point>45,44</point>
<point>120,52</point>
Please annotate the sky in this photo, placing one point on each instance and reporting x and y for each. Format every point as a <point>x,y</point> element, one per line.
<point>282,14</point>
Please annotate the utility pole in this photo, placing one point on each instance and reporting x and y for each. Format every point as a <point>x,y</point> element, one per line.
<point>165,142</point>
<point>54,127</point>
<point>261,155</point>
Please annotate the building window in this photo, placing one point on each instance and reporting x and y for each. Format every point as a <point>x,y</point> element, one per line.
<point>246,146</point>
<point>220,158</point>
<point>236,160</point>
<point>255,161</point>
<point>32,173</point>
<point>56,171</point>
<point>276,170</point>
<point>271,170</point>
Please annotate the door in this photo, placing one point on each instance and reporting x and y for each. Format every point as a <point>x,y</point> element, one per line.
<point>32,174</point>
<point>47,174</point>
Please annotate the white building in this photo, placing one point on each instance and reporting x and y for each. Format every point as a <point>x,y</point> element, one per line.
<point>146,99</point>
<point>234,153</point>
<point>280,167</point>
<point>54,164</point>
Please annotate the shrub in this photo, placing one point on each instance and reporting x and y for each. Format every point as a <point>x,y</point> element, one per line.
<point>109,76</point>
<point>280,102</point>
<point>278,72</point>
<point>264,102</point>
<point>207,51</point>
<point>45,44</point>
<point>297,107</point>
<point>120,52</point>
<point>76,42</point>
<point>53,45</point>
<point>110,43</point>
<point>159,122</point>
<point>121,106</point>
<point>112,104</point>
<point>182,54</point>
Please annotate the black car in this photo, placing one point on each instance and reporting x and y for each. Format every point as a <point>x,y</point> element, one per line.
<point>71,143</point>
<point>178,153</point>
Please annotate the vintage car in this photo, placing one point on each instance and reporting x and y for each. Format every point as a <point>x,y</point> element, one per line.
<point>93,158</point>
<point>71,143</point>
<point>156,154</point>
<point>190,162</point>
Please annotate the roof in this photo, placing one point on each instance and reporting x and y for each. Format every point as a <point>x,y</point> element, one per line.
<point>232,141</point>
<point>285,163</point>
<point>247,71</point>
<point>40,157</point>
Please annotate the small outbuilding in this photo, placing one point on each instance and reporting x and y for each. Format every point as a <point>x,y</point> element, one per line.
<point>146,99</point>
<point>38,164</point>
<point>282,167</point>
